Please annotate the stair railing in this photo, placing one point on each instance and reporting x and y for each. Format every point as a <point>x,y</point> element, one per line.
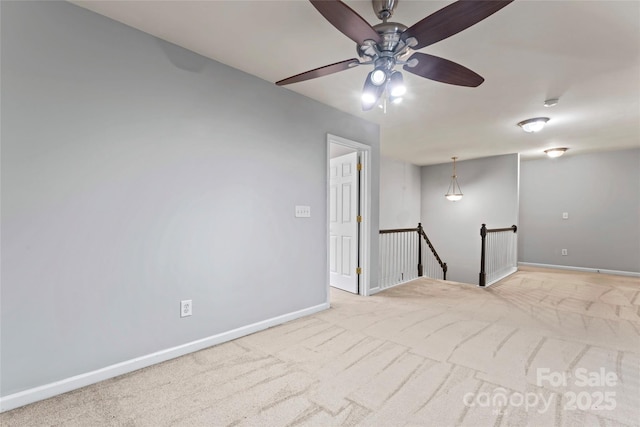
<point>403,257</point>
<point>498,255</point>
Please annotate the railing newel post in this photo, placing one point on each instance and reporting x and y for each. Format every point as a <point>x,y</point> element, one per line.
<point>483,235</point>
<point>420,267</point>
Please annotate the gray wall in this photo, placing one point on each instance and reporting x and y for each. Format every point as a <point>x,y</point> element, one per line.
<point>601,194</point>
<point>136,174</point>
<point>490,188</point>
<point>399,194</point>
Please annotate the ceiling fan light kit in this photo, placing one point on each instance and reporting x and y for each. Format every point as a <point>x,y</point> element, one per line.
<point>390,44</point>
<point>378,76</point>
<point>396,85</point>
<point>371,92</point>
<point>533,125</point>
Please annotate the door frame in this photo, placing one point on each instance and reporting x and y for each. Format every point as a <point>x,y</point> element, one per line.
<point>364,199</point>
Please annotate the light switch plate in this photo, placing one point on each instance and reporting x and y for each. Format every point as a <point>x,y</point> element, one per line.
<point>303,211</point>
<point>565,215</point>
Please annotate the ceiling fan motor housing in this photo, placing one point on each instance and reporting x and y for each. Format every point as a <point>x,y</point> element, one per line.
<point>390,33</point>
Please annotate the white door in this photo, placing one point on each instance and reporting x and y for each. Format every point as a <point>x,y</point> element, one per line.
<point>343,223</point>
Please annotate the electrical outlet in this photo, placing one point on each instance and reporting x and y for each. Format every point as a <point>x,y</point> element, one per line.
<point>186,308</point>
<point>564,252</point>
<point>565,215</point>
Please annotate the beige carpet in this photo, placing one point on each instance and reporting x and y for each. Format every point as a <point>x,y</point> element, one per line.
<point>428,353</point>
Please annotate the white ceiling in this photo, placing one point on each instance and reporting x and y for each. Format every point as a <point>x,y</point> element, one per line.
<point>587,53</point>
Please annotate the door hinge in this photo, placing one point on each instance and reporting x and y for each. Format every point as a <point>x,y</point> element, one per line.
<point>359,166</point>
<point>358,270</point>
<point>359,218</point>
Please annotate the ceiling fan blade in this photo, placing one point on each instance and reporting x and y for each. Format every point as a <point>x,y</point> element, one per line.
<point>451,20</point>
<point>346,20</point>
<point>320,72</point>
<point>443,70</point>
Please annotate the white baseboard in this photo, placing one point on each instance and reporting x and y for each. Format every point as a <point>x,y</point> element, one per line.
<point>373,291</point>
<point>509,273</point>
<point>380,288</point>
<point>584,269</point>
<point>46,391</point>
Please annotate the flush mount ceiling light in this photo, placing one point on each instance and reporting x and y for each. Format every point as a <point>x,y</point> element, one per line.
<point>533,125</point>
<point>454,193</point>
<point>556,152</point>
<point>551,102</point>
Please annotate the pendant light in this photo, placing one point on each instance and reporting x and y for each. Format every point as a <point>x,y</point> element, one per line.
<point>454,193</point>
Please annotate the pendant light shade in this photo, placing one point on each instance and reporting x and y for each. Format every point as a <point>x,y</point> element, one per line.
<point>454,193</point>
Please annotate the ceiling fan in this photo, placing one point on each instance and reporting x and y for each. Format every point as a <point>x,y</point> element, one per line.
<point>389,44</point>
